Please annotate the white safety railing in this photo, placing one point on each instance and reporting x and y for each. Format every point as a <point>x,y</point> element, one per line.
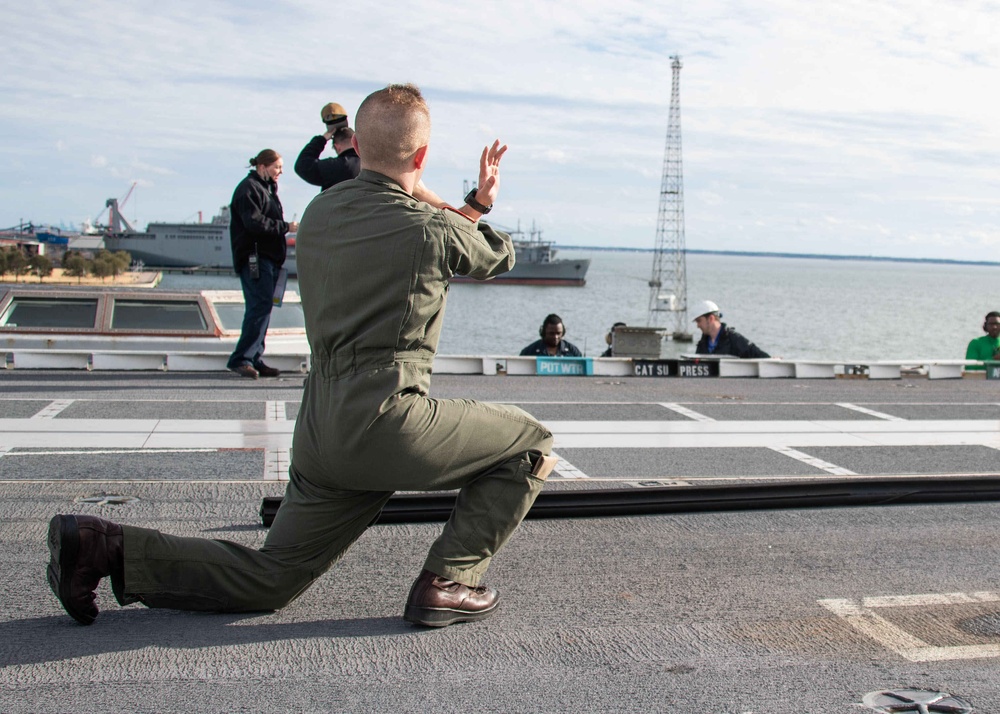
<point>297,361</point>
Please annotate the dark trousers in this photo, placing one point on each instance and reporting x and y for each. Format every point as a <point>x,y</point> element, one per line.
<point>258,296</point>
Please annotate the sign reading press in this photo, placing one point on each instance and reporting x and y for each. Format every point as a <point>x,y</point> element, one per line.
<point>675,368</point>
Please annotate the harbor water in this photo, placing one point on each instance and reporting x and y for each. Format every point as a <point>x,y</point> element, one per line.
<point>791,307</point>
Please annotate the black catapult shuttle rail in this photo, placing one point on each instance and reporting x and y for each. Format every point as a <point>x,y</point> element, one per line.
<point>605,503</point>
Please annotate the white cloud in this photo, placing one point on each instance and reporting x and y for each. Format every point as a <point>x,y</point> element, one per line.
<point>871,113</point>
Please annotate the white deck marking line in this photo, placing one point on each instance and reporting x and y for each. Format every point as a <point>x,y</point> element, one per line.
<point>91,452</point>
<point>813,461</point>
<point>683,433</point>
<point>53,409</point>
<point>276,462</point>
<point>4,450</point>
<point>689,413</point>
<point>860,616</point>
<point>275,411</point>
<point>567,470</point>
<point>870,412</point>
<point>929,600</point>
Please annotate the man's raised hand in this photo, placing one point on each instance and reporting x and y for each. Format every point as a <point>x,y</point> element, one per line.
<point>489,173</point>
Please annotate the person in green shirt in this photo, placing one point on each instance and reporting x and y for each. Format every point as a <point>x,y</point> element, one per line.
<point>986,347</point>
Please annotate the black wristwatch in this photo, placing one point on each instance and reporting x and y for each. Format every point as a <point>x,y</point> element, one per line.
<point>471,200</point>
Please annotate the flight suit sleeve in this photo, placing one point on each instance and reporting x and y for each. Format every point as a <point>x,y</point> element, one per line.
<point>476,250</point>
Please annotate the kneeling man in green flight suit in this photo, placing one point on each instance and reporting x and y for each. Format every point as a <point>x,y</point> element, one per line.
<point>374,264</point>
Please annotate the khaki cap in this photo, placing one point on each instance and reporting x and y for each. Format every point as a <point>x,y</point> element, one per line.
<point>332,112</point>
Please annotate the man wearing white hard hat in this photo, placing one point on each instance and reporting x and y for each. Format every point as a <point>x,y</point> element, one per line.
<point>719,339</point>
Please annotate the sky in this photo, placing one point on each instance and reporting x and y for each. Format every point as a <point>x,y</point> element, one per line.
<point>852,128</point>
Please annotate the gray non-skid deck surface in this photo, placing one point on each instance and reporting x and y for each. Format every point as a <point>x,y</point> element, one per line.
<point>685,463</point>
<point>22,409</point>
<point>602,412</point>
<point>917,459</point>
<point>132,465</point>
<point>188,409</point>
<point>778,412</point>
<point>941,411</point>
<point>697,613</point>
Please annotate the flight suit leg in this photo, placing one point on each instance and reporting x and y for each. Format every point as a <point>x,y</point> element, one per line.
<point>488,451</point>
<point>311,531</point>
<point>487,512</point>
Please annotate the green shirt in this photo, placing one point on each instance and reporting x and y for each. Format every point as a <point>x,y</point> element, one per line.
<point>983,348</point>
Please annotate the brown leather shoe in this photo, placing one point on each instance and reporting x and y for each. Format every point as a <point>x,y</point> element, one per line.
<point>84,549</point>
<point>266,371</point>
<point>245,370</point>
<point>435,601</point>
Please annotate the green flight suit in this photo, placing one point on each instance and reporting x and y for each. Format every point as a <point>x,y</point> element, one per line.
<point>374,266</point>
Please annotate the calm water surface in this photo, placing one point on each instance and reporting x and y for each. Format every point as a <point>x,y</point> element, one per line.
<point>791,307</point>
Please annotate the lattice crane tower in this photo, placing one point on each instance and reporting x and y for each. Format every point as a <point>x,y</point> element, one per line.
<point>668,284</point>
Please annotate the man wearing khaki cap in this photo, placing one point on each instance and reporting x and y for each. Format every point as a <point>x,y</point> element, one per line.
<point>330,171</point>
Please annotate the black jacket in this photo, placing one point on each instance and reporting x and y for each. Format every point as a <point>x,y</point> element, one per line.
<point>733,343</point>
<point>257,220</point>
<point>326,172</point>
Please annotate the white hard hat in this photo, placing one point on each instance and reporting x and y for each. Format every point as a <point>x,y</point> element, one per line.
<point>703,308</point>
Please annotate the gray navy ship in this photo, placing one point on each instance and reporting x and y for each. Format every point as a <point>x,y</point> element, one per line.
<point>173,245</point>
<point>537,263</point>
<point>206,246</point>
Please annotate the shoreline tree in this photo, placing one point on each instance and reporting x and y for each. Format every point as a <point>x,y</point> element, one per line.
<point>75,266</point>
<point>41,266</point>
<point>16,262</point>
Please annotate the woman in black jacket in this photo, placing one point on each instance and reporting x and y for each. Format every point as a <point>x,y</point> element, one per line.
<point>257,231</point>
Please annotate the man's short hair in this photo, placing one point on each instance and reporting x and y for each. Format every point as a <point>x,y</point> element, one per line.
<point>343,134</point>
<point>391,124</point>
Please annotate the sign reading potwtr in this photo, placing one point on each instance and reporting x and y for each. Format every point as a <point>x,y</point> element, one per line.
<point>564,366</point>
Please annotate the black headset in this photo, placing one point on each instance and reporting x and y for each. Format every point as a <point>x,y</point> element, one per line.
<point>552,319</point>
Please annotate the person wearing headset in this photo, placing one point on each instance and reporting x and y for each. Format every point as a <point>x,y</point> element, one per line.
<point>552,343</point>
<point>986,347</point>
<point>719,339</point>
<point>609,338</point>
